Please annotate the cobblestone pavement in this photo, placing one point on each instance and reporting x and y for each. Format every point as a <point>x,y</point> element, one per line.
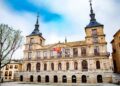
<point>45,84</point>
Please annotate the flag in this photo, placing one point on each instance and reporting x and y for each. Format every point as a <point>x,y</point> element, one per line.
<point>57,49</point>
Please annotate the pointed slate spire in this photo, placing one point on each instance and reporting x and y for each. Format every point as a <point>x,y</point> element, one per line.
<point>37,23</point>
<point>36,30</point>
<point>93,22</point>
<point>92,14</point>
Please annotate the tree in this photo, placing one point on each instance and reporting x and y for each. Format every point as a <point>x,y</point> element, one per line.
<point>10,41</point>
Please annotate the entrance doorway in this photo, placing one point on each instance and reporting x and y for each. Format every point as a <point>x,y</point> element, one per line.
<point>73,79</point>
<point>55,79</point>
<point>31,78</point>
<point>64,79</point>
<point>21,78</point>
<point>84,79</point>
<point>39,78</point>
<point>99,79</point>
<point>47,78</point>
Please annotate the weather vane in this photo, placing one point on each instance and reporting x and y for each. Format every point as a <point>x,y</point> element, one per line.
<point>90,2</point>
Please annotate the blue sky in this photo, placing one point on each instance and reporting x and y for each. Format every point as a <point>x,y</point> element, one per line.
<point>60,18</point>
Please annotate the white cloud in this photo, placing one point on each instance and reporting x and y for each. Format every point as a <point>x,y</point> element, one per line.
<point>76,13</point>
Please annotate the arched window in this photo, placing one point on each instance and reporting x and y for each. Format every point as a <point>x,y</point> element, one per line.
<point>28,67</point>
<point>45,66</point>
<point>52,66</point>
<point>39,78</point>
<point>59,66</point>
<point>64,79</point>
<point>10,73</point>
<point>38,67</point>
<point>21,77</point>
<point>84,79</point>
<point>67,66</point>
<point>6,73</point>
<point>74,80</point>
<point>31,78</point>
<point>99,79</point>
<point>55,79</point>
<point>75,65</point>
<point>47,78</point>
<point>97,64</point>
<point>84,65</point>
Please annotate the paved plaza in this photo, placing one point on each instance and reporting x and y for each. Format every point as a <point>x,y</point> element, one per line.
<point>57,84</point>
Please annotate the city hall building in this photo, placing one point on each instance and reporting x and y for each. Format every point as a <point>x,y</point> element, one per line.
<point>85,61</point>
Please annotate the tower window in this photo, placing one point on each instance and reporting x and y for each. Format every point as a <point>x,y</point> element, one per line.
<point>30,47</point>
<point>29,55</point>
<point>31,40</point>
<point>94,32</point>
<point>97,64</point>
<point>96,50</point>
<point>95,39</point>
<point>40,41</point>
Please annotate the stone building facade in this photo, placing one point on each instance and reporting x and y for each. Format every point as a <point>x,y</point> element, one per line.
<point>84,61</point>
<point>10,69</point>
<point>116,51</point>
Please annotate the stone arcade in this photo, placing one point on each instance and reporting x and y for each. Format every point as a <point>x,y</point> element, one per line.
<point>84,61</point>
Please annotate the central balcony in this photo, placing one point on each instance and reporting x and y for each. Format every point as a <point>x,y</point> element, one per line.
<point>107,54</point>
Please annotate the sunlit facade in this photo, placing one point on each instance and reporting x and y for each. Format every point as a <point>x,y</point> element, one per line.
<point>85,61</point>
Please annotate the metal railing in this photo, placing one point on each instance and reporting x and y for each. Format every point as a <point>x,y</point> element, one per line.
<point>107,54</point>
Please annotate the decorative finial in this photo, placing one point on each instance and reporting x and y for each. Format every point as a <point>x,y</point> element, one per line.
<point>37,22</point>
<point>93,22</point>
<point>92,15</point>
<point>37,18</point>
<point>91,9</point>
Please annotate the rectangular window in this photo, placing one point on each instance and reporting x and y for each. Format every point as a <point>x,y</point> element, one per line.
<point>83,51</point>
<point>31,40</point>
<point>7,67</point>
<point>45,54</point>
<point>30,47</point>
<point>51,54</point>
<point>38,54</point>
<point>67,52</point>
<point>11,66</point>
<point>75,51</point>
<point>95,39</point>
<point>29,55</point>
<point>94,32</point>
<point>96,50</point>
<point>16,66</point>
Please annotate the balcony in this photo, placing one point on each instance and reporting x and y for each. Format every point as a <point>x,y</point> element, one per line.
<point>70,56</point>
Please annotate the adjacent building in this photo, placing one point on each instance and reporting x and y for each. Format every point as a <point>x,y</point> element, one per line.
<point>116,51</point>
<point>85,61</point>
<point>10,69</point>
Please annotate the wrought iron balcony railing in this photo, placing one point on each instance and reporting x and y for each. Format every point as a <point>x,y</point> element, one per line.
<point>107,54</point>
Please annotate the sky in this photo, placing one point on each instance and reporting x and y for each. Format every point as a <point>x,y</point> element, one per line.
<point>60,18</point>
